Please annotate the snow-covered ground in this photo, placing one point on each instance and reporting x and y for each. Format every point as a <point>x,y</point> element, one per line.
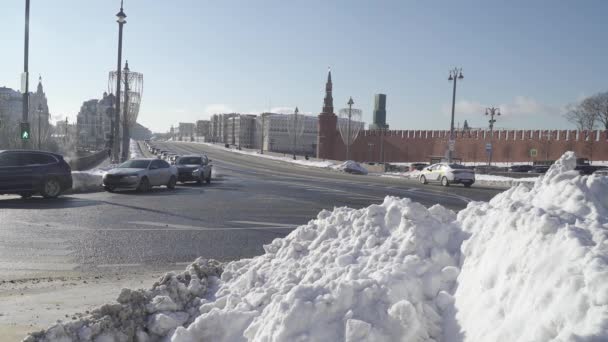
<point>530,265</point>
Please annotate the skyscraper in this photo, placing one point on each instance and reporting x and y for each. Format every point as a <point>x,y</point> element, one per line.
<point>379,112</point>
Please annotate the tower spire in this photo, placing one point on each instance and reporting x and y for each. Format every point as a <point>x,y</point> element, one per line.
<point>39,90</point>
<point>328,102</point>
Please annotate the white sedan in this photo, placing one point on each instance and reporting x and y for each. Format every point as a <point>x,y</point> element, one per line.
<point>447,174</point>
<point>141,174</point>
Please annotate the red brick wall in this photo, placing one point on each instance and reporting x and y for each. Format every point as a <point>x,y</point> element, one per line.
<point>509,145</point>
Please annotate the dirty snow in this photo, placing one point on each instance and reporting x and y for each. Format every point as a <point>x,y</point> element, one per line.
<point>530,265</point>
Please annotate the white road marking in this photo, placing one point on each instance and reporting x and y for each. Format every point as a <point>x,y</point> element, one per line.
<point>172,226</point>
<point>117,265</point>
<point>273,224</point>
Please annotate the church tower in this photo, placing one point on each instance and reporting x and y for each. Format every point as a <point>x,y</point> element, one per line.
<point>327,123</point>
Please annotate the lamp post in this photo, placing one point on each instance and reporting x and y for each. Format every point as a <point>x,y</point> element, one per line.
<point>25,80</point>
<point>491,111</point>
<point>122,19</point>
<point>350,114</point>
<point>455,74</point>
<point>295,135</point>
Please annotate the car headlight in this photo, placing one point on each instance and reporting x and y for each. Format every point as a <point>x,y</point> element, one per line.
<point>196,172</point>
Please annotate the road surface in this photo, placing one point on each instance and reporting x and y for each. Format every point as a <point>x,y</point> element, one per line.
<point>71,254</point>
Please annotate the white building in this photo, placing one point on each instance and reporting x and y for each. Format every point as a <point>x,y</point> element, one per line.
<point>277,138</point>
<point>185,131</point>
<point>94,122</point>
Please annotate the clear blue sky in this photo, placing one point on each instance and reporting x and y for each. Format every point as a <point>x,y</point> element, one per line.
<point>198,56</point>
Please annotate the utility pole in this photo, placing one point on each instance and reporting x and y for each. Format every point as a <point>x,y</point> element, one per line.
<point>455,74</point>
<point>25,80</point>
<point>491,111</point>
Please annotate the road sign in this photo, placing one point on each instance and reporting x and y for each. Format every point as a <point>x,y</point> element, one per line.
<point>25,131</point>
<point>533,152</point>
<point>488,147</point>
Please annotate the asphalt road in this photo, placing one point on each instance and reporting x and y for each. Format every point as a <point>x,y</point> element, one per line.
<point>250,202</point>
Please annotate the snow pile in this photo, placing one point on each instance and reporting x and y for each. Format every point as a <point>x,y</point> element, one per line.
<point>536,264</point>
<point>90,180</point>
<point>502,180</point>
<point>143,315</point>
<point>530,265</point>
<point>350,275</point>
<point>351,167</point>
<point>135,151</point>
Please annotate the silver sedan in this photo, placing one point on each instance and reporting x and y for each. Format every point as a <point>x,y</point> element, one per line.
<point>141,174</point>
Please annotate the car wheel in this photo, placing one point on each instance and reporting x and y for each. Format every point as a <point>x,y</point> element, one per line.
<point>423,180</point>
<point>108,188</point>
<point>467,185</point>
<point>51,188</point>
<point>445,182</point>
<point>26,195</point>
<point>144,185</point>
<point>172,182</point>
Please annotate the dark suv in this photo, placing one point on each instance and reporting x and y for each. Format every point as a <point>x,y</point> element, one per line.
<point>34,172</point>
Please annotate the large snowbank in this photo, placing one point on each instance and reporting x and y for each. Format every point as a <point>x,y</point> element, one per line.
<point>370,274</point>
<point>530,265</point>
<point>536,265</point>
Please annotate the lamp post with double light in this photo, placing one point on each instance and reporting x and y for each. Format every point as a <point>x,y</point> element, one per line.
<point>455,74</point>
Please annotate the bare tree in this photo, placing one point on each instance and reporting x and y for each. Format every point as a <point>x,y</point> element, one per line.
<point>597,106</point>
<point>580,115</point>
<point>585,115</point>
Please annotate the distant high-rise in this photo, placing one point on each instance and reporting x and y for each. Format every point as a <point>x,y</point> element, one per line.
<point>379,112</point>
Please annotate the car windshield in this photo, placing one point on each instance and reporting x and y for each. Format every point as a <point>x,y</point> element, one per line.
<point>189,160</point>
<point>135,164</point>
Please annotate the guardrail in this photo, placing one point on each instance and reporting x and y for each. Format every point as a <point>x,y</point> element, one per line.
<point>88,162</point>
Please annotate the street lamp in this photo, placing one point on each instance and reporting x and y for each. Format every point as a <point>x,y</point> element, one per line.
<point>491,111</point>
<point>121,20</point>
<point>295,135</point>
<point>455,74</point>
<point>350,114</point>
<point>25,80</point>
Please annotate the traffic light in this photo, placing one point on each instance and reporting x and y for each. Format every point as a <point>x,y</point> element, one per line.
<point>25,131</point>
